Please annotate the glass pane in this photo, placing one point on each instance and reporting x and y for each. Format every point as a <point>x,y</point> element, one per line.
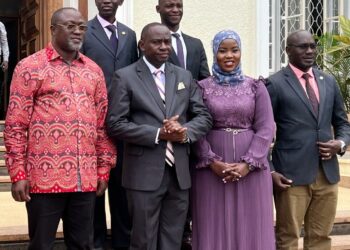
<point>294,7</point>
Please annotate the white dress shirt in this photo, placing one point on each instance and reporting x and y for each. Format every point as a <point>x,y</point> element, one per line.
<point>4,47</point>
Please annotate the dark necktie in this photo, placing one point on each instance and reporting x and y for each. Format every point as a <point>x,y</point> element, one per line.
<point>180,50</point>
<point>113,38</point>
<point>311,93</point>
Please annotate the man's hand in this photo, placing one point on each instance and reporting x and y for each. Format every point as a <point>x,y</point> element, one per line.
<point>101,187</point>
<point>171,125</point>
<point>329,149</point>
<point>4,66</point>
<point>172,130</point>
<point>20,190</point>
<point>280,182</point>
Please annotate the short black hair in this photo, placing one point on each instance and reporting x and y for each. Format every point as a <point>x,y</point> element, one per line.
<point>57,14</point>
<point>148,27</point>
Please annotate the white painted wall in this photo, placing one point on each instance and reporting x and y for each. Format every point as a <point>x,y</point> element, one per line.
<point>204,18</point>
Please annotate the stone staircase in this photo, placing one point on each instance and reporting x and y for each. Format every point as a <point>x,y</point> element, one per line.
<point>13,219</point>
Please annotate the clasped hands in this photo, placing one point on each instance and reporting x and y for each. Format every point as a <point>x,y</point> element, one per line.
<point>229,172</point>
<point>173,131</point>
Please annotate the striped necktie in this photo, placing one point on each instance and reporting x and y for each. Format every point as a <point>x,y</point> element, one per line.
<point>159,80</point>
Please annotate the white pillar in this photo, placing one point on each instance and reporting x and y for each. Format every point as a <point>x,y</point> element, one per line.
<point>262,37</point>
<point>71,3</point>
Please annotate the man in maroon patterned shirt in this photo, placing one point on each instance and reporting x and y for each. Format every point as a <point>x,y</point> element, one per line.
<point>57,152</point>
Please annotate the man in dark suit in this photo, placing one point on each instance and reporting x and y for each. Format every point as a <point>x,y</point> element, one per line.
<point>307,105</point>
<point>156,109</point>
<point>193,56</point>
<point>188,52</point>
<point>112,45</point>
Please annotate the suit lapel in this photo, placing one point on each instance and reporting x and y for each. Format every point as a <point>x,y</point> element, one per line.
<point>122,37</point>
<point>319,78</point>
<point>293,81</point>
<point>146,77</point>
<point>169,88</point>
<point>99,33</point>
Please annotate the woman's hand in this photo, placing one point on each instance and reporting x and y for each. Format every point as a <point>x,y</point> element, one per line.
<point>220,169</point>
<point>235,171</point>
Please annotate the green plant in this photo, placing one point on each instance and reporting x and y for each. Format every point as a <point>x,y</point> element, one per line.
<point>335,57</point>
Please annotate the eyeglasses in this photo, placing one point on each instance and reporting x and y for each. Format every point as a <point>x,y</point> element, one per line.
<point>304,46</point>
<point>72,27</point>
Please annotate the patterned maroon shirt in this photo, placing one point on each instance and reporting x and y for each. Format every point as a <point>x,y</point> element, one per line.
<point>55,135</point>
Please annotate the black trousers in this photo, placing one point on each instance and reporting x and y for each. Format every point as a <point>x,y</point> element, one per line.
<point>75,210</point>
<point>118,206</point>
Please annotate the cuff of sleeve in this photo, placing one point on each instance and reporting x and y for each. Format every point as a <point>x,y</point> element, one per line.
<point>103,173</point>
<point>253,163</point>
<point>205,162</point>
<point>19,176</point>
<point>156,141</point>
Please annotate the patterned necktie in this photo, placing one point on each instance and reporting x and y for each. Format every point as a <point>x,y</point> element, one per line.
<point>311,93</point>
<point>113,38</point>
<point>180,50</point>
<point>169,152</point>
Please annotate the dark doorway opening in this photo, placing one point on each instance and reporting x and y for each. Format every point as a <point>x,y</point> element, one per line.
<point>9,16</point>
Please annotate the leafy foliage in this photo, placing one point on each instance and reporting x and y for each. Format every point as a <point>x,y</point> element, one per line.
<point>334,57</point>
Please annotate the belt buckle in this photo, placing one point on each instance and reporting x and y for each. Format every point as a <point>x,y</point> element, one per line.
<point>234,131</point>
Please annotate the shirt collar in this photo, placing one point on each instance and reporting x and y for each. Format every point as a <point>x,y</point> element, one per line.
<point>104,22</point>
<point>151,67</point>
<point>52,54</point>
<point>299,73</point>
<point>177,32</point>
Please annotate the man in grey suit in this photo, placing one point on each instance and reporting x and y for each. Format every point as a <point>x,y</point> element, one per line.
<point>307,105</point>
<point>188,52</point>
<point>112,45</point>
<point>156,108</point>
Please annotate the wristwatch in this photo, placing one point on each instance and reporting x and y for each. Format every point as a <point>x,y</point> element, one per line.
<point>342,147</point>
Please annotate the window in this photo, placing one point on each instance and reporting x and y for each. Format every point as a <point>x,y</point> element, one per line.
<point>287,16</point>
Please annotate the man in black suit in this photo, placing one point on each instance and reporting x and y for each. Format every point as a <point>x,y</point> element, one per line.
<point>312,128</point>
<point>156,108</point>
<point>112,45</point>
<point>193,56</point>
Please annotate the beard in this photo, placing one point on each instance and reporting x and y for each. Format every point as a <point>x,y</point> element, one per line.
<point>74,46</point>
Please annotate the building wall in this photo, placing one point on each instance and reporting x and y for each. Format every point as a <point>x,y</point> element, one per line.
<point>204,18</point>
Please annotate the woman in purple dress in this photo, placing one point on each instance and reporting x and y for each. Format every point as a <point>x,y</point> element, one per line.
<point>232,187</point>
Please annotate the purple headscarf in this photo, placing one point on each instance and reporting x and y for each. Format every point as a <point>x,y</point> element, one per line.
<point>234,77</point>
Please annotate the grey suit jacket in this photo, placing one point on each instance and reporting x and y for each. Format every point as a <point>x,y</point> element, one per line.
<point>295,153</point>
<point>196,61</point>
<point>136,112</point>
<point>98,47</point>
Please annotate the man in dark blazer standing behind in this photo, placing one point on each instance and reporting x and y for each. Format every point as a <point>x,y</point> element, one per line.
<point>112,45</point>
<point>307,105</point>
<point>156,108</point>
<point>193,53</point>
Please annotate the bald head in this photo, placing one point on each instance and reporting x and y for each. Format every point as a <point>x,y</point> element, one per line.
<point>57,15</point>
<point>295,36</point>
<point>301,49</point>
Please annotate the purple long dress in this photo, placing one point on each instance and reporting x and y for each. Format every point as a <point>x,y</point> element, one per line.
<point>237,215</point>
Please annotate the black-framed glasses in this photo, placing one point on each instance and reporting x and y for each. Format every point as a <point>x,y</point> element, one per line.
<point>304,46</point>
<point>72,27</point>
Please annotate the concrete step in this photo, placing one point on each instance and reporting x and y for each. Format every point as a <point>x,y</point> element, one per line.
<point>5,183</point>
<point>339,242</point>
